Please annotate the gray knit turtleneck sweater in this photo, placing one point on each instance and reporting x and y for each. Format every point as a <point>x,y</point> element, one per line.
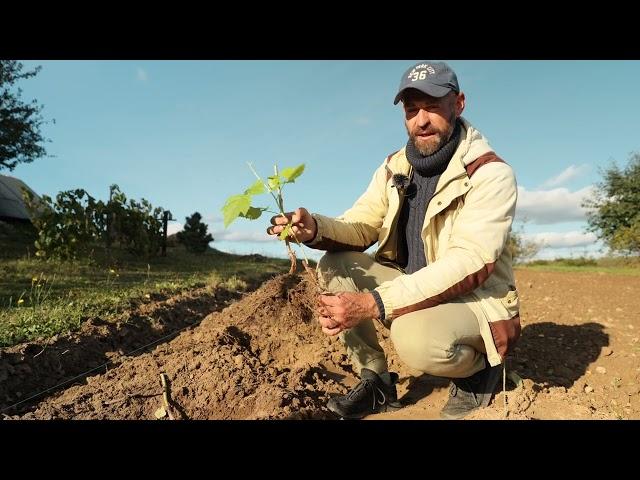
<point>426,173</point>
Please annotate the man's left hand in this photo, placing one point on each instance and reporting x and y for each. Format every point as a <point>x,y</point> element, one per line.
<point>345,310</point>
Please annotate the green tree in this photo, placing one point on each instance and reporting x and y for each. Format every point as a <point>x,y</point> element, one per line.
<point>65,224</point>
<point>613,212</point>
<point>194,236</point>
<point>20,122</point>
<point>133,225</point>
<point>74,223</point>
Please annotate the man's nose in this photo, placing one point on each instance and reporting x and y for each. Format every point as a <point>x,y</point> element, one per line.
<point>422,118</point>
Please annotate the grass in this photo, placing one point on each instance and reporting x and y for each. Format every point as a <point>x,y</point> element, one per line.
<point>39,299</point>
<point>609,265</point>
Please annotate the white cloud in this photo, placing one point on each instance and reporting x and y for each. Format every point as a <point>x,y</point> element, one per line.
<point>141,75</point>
<point>235,236</point>
<point>563,240</point>
<point>273,251</point>
<point>567,174</point>
<point>555,253</point>
<point>545,207</point>
<point>173,227</point>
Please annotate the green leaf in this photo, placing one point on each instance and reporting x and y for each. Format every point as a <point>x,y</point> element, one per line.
<point>291,173</point>
<point>286,232</point>
<point>236,205</point>
<point>274,182</point>
<point>256,189</point>
<point>253,213</point>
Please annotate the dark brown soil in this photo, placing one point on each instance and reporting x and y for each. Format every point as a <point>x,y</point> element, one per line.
<point>259,358</point>
<point>31,368</point>
<point>265,357</point>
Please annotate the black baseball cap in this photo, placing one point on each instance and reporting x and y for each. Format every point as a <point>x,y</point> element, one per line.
<point>433,78</point>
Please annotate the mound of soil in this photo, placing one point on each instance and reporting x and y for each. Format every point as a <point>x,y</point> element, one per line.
<point>260,358</point>
<point>265,357</point>
<point>34,367</point>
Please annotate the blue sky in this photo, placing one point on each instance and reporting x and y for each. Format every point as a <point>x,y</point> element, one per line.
<point>179,133</point>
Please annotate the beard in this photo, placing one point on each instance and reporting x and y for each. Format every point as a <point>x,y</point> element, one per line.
<point>435,142</point>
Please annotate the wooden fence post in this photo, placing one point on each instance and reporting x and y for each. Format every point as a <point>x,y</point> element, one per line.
<point>165,221</point>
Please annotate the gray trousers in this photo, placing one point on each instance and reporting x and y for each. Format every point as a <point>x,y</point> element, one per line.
<point>443,341</point>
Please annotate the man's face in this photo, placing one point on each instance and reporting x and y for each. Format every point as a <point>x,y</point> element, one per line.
<point>429,120</point>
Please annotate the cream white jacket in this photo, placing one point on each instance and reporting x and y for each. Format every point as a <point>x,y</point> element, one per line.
<point>465,233</point>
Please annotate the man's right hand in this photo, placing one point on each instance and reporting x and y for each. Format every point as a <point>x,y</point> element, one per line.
<point>304,225</point>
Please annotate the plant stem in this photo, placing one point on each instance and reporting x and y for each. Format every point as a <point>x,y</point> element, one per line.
<point>280,203</point>
<point>263,183</point>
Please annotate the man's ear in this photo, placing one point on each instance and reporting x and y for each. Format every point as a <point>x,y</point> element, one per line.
<point>460,103</point>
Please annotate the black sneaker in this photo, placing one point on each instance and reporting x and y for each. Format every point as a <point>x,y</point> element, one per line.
<point>374,394</point>
<point>468,394</point>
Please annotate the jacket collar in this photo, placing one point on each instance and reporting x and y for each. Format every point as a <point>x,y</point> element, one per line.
<point>472,145</point>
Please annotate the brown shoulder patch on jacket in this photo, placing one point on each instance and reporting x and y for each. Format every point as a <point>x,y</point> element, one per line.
<point>482,160</point>
<point>389,172</point>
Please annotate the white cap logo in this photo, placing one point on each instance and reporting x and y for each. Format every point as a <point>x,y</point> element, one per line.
<point>419,72</point>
